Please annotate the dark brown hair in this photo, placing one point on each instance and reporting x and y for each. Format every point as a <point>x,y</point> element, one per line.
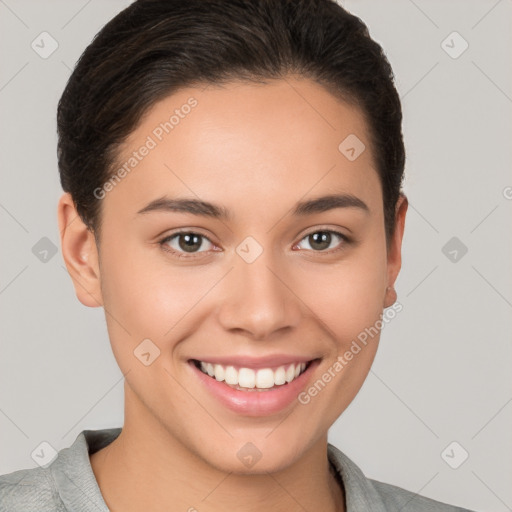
<point>155,47</point>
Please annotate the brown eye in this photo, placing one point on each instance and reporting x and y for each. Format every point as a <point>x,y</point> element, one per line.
<point>320,241</point>
<point>186,242</point>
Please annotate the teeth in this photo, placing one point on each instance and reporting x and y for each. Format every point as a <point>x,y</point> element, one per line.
<point>219,372</point>
<point>210,370</point>
<point>247,378</point>
<point>231,376</point>
<point>290,373</point>
<point>264,378</point>
<point>280,376</point>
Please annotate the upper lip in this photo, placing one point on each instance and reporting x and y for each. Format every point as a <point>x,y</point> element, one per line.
<point>247,361</point>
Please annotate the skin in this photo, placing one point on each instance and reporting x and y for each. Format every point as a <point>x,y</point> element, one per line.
<point>256,150</point>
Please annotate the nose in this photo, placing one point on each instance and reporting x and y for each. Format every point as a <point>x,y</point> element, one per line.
<point>257,299</point>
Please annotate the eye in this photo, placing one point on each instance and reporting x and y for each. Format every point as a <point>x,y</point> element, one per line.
<point>186,244</point>
<point>321,240</point>
<point>183,243</point>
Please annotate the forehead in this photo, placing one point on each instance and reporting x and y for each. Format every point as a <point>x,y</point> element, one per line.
<point>242,143</point>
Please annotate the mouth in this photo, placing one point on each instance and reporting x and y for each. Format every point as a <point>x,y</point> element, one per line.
<point>253,379</point>
<point>253,387</point>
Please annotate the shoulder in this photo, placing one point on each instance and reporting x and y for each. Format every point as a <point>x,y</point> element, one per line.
<point>362,493</point>
<point>396,498</point>
<point>67,483</point>
<point>29,490</point>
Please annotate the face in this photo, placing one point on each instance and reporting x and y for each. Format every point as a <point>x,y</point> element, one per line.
<point>251,272</point>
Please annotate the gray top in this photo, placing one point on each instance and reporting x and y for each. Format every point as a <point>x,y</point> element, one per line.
<point>68,484</point>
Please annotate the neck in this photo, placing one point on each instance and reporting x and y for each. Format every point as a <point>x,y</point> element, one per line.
<point>141,471</point>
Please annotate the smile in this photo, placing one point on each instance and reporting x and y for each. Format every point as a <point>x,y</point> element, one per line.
<point>252,379</point>
<point>253,387</point>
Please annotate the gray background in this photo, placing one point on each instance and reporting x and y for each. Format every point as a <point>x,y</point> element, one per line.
<point>442,373</point>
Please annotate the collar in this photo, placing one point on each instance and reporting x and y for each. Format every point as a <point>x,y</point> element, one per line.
<point>360,494</point>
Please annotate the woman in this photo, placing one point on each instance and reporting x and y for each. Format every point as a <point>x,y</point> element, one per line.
<point>232,173</point>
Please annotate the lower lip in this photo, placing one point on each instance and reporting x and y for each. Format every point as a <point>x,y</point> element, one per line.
<point>256,403</point>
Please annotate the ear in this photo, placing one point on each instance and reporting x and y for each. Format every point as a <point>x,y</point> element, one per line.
<point>80,253</point>
<point>395,249</point>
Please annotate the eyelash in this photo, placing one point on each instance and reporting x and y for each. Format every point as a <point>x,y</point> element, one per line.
<point>181,255</point>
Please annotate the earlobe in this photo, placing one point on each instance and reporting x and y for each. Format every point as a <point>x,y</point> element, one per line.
<point>395,250</point>
<point>391,296</point>
<point>80,253</point>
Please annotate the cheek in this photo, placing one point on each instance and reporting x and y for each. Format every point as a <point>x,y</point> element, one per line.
<point>348,297</point>
<point>144,297</point>
<point>349,304</point>
<point>349,301</point>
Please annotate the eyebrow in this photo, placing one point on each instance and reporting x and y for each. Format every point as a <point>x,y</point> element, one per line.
<point>207,209</point>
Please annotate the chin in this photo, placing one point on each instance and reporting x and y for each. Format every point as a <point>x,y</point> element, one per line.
<point>253,454</point>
